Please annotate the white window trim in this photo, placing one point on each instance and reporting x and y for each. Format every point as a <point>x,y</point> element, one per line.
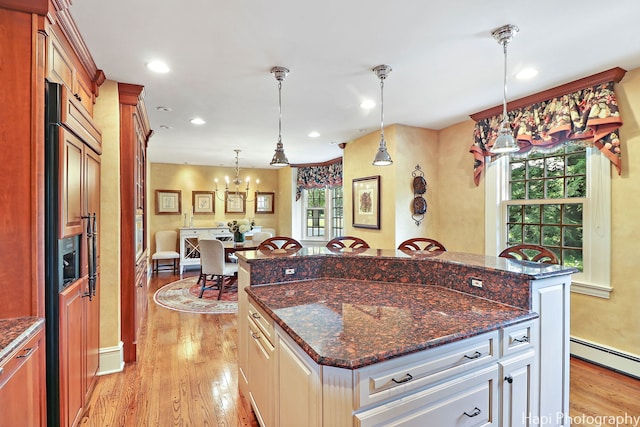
<point>300,214</point>
<point>596,278</point>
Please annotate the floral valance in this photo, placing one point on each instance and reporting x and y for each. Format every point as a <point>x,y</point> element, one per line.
<point>589,116</point>
<point>319,177</point>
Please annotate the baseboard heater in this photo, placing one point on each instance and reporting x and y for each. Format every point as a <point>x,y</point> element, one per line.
<point>619,361</point>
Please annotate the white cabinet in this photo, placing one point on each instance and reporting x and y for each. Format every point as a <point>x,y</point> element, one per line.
<point>299,392</point>
<point>261,371</point>
<point>189,249</point>
<point>517,385</point>
<point>469,400</point>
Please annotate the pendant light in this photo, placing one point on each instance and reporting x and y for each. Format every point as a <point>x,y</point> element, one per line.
<point>279,158</point>
<point>382,157</point>
<point>505,142</point>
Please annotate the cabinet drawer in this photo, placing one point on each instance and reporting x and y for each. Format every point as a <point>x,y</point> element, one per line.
<point>396,377</point>
<point>517,338</point>
<point>470,400</point>
<point>261,319</point>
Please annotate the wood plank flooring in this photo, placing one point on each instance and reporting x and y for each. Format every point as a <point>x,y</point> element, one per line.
<point>187,376</point>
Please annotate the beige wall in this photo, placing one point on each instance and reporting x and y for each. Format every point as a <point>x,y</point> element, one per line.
<point>188,178</point>
<point>610,322</point>
<point>615,322</point>
<point>455,214</point>
<point>107,116</point>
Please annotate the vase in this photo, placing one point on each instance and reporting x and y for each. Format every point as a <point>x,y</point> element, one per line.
<point>238,236</point>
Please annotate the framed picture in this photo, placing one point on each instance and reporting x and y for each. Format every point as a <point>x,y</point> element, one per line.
<point>168,202</point>
<point>366,202</point>
<point>235,202</point>
<point>264,202</point>
<point>203,202</point>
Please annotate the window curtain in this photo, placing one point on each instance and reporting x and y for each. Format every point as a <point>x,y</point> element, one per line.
<point>589,116</point>
<point>318,177</point>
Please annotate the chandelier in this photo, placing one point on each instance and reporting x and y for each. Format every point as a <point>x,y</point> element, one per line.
<point>237,181</point>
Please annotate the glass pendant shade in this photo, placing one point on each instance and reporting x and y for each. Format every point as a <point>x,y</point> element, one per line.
<point>279,158</point>
<point>382,157</point>
<point>505,142</point>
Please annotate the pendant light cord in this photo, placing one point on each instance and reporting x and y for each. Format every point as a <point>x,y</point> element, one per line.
<point>504,98</point>
<point>382,110</point>
<point>279,111</point>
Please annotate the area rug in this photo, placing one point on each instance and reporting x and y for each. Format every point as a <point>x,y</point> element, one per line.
<point>182,295</point>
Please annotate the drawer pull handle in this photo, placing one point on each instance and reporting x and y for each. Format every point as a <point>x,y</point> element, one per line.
<point>27,352</point>
<point>407,377</point>
<point>475,413</point>
<point>509,379</point>
<point>473,356</point>
<point>523,339</point>
<point>255,336</point>
<point>255,315</point>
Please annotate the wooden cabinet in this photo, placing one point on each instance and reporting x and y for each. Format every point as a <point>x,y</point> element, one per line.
<point>72,352</point>
<point>62,68</point>
<point>22,385</point>
<point>71,206</point>
<point>134,136</point>
<point>516,374</point>
<point>142,290</point>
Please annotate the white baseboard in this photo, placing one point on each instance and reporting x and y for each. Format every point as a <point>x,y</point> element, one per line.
<point>618,360</point>
<point>111,359</point>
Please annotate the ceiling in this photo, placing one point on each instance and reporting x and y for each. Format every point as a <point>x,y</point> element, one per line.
<point>446,65</point>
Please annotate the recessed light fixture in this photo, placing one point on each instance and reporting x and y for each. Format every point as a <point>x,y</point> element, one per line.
<point>165,127</point>
<point>527,73</point>
<point>367,104</point>
<point>161,108</point>
<point>158,67</point>
<point>313,134</point>
<point>197,121</point>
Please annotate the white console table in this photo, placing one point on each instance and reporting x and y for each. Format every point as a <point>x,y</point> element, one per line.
<point>189,249</point>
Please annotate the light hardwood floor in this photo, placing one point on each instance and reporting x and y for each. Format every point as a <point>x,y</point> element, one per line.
<point>187,376</point>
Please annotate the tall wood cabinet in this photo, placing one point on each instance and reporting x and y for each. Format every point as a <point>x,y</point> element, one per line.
<point>134,136</point>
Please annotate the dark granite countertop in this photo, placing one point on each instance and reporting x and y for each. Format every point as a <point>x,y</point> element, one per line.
<point>14,332</point>
<point>351,324</point>
<point>530,270</point>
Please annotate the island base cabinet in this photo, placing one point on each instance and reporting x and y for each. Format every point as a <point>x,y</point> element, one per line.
<point>518,405</point>
<point>299,399</point>
<point>261,371</point>
<point>470,400</point>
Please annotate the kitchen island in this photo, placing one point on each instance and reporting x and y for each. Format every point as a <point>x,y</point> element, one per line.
<point>381,337</point>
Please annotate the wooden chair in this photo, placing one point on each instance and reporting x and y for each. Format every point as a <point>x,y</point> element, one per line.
<point>530,253</point>
<point>347,242</point>
<point>421,244</point>
<point>165,250</point>
<point>279,243</point>
<point>212,263</point>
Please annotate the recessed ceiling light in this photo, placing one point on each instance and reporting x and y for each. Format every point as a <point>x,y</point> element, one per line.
<point>313,134</point>
<point>165,127</point>
<point>158,67</point>
<point>367,104</point>
<point>197,121</point>
<point>527,73</point>
<point>163,108</point>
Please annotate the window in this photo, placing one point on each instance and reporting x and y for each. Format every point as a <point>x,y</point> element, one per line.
<point>560,200</point>
<point>323,213</point>
<point>545,203</point>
